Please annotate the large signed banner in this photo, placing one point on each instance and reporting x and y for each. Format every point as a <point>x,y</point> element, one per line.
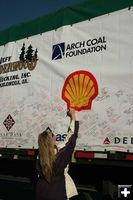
<point>87,65</point>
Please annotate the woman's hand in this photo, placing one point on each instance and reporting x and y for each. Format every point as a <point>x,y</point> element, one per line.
<point>72,113</point>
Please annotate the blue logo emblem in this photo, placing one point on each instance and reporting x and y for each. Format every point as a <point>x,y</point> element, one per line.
<point>58,51</point>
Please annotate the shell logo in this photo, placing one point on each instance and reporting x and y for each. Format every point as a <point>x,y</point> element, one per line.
<point>79,90</point>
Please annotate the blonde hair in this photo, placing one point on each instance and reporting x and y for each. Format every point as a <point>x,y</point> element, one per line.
<point>47,154</point>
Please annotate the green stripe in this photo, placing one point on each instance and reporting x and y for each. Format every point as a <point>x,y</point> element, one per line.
<point>67,16</point>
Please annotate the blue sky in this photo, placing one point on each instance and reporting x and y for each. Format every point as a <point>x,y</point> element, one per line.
<point>15,11</point>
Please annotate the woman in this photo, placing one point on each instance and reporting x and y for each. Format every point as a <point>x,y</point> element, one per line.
<point>51,166</point>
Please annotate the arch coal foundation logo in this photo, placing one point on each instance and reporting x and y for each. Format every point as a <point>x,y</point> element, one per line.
<point>9,122</point>
<point>64,50</point>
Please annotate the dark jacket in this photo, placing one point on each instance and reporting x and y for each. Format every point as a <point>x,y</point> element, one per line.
<point>56,189</point>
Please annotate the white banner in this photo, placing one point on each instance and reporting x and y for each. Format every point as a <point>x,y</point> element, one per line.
<point>43,74</point>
